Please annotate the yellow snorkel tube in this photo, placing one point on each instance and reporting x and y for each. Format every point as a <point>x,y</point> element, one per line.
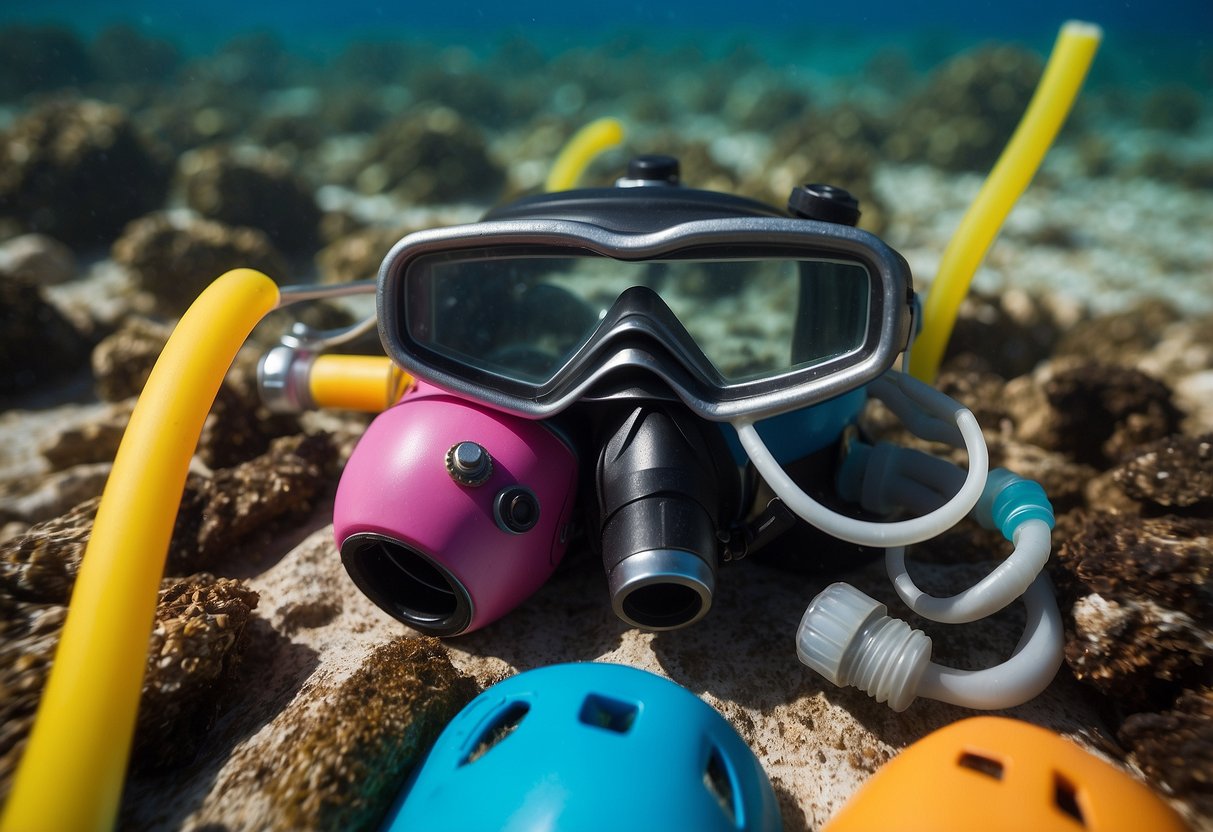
<point>586,144</point>
<point>71,774</point>
<point>1020,159</point>
<point>74,764</point>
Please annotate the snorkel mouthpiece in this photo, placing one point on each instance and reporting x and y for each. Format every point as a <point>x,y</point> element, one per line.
<point>660,496</point>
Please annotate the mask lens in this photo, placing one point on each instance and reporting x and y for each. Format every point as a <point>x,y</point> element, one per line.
<point>525,317</point>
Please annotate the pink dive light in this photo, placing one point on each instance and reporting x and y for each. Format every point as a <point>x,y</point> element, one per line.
<point>448,514</point>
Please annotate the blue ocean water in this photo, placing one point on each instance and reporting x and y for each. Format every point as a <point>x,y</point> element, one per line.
<point>315,25</point>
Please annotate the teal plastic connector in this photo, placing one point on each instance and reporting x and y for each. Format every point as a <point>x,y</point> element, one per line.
<point>1008,500</point>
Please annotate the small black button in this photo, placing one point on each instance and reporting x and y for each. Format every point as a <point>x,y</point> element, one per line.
<point>516,509</point>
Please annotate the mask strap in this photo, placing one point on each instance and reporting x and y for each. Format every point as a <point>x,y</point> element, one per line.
<point>927,413</point>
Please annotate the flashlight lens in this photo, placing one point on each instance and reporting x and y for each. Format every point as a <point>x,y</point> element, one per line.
<point>407,584</point>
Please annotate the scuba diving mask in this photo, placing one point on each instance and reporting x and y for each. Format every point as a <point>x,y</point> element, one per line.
<point>666,352</point>
<point>741,312</point>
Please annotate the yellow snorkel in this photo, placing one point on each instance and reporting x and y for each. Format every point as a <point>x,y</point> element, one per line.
<point>1047,111</point>
<point>71,774</point>
<point>82,734</point>
<point>581,149</point>
<point>86,719</point>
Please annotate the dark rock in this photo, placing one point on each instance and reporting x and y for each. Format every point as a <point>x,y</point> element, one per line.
<point>764,102</point>
<point>38,344</point>
<point>1119,337</point>
<point>251,500</point>
<point>1140,604</point>
<point>431,155</point>
<point>42,498</point>
<point>377,726</point>
<point>37,259</point>
<point>356,256</point>
<point>258,190</point>
<point>1165,166</point>
<point>1175,108</point>
<point>29,634</point>
<point>1008,334</point>
<point>1173,473</point>
<point>193,647</point>
<point>1175,748</point>
<point>963,117</point>
<point>239,427</point>
<point>195,644</point>
<point>78,171</point>
<point>39,58</point>
<point>40,566</point>
<point>123,361</point>
<point>123,54</point>
<point>1092,412</point>
<point>217,515</point>
<point>979,389</point>
<point>88,442</point>
<point>175,262</point>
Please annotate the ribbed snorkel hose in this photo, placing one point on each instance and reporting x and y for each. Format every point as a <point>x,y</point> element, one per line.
<point>71,774</point>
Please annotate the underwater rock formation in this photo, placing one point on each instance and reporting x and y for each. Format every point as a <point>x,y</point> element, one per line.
<point>1142,620</point>
<point>1175,473</point>
<point>196,641</point>
<point>1175,748</point>
<point>962,118</point>
<point>38,58</point>
<point>37,259</point>
<point>356,256</point>
<point>377,726</point>
<point>122,361</point>
<point>249,501</point>
<point>175,261</point>
<point>38,344</point>
<point>1008,334</point>
<point>78,171</point>
<point>257,190</point>
<point>430,155</point>
<point>1091,411</point>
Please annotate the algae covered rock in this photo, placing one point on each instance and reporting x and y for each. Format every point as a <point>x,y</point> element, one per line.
<point>356,256</point>
<point>176,260</point>
<point>40,566</point>
<point>258,190</point>
<point>1175,748</point>
<point>1174,473</point>
<point>249,501</point>
<point>38,344</point>
<point>345,770</point>
<point>123,361</point>
<point>967,111</point>
<point>195,643</point>
<point>1091,411</point>
<point>78,171</point>
<point>1140,604</point>
<point>38,259</point>
<point>39,58</point>
<point>431,155</point>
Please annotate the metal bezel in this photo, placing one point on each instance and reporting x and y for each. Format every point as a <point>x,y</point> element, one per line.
<point>888,330</point>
